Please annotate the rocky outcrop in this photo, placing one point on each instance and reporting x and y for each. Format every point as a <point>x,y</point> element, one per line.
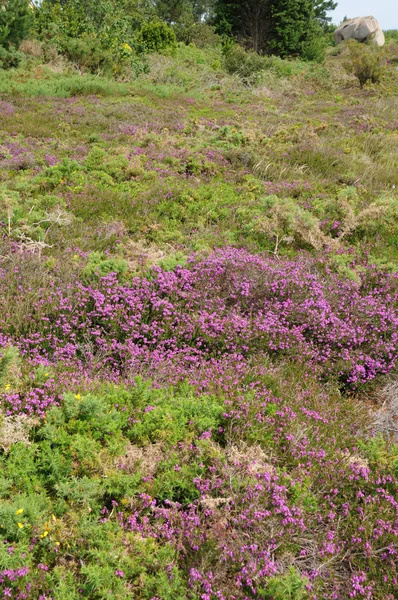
<point>361,29</point>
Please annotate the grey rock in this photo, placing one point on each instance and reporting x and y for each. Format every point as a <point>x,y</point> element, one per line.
<point>361,29</point>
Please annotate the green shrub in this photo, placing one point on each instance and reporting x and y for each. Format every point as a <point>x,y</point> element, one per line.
<point>58,21</point>
<point>99,265</point>
<point>15,21</point>
<point>366,62</point>
<point>10,58</point>
<point>200,34</point>
<point>173,417</point>
<point>314,47</point>
<point>290,586</point>
<point>391,34</point>
<point>88,54</point>
<point>249,66</point>
<point>97,39</point>
<point>157,37</point>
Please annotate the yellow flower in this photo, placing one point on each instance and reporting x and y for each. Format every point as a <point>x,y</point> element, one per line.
<point>44,534</point>
<point>45,374</point>
<point>54,518</point>
<point>7,386</point>
<point>57,543</point>
<point>20,525</point>
<point>75,256</point>
<point>127,47</point>
<point>19,511</point>
<point>78,396</point>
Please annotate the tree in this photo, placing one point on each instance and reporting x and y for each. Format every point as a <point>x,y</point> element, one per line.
<point>16,18</point>
<point>290,26</point>
<point>246,20</point>
<point>172,11</point>
<point>255,23</point>
<point>203,10</point>
<point>321,8</point>
<point>280,27</point>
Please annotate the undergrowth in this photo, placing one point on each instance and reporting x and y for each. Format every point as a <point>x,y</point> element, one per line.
<point>198,320</point>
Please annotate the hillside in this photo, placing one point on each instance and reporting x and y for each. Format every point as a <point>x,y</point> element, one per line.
<point>198,332</point>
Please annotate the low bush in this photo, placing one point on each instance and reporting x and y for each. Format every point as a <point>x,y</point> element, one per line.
<point>158,37</point>
<point>200,34</point>
<point>10,58</point>
<point>314,49</point>
<point>249,66</point>
<point>366,62</point>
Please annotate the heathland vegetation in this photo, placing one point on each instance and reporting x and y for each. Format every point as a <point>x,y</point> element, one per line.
<point>198,303</point>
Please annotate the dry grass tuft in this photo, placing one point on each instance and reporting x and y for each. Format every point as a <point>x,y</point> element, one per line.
<point>146,459</point>
<point>15,429</point>
<point>386,419</point>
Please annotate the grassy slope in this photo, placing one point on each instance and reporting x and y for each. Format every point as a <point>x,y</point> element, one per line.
<point>277,487</point>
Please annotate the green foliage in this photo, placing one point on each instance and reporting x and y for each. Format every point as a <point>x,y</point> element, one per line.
<point>175,417</point>
<point>282,27</point>
<point>10,367</point>
<point>15,21</point>
<point>158,37</point>
<point>99,265</point>
<point>249,66</point>
<point>96,36</point>
<point>173,11</point>
<point>88,54</point>
<point>391,34</point>
<point>246,21</point>
<point>201,34</point>
<point>290,586</point>
<point>291,27</point>
<point>10,58</point>
<point>314,47</point>
<point>321,10</point>
<point>62,85</point>
<point>382,455</point>
<point>366,62</point>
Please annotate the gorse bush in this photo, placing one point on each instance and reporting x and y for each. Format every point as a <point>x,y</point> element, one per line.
<point>140,506</point>
<point>157,37</point>
<point>366,62</point>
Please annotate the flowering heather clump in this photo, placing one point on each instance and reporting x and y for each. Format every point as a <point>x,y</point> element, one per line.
<point>6,108</point>
<point>231,304</point>
<point>15,157</point>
